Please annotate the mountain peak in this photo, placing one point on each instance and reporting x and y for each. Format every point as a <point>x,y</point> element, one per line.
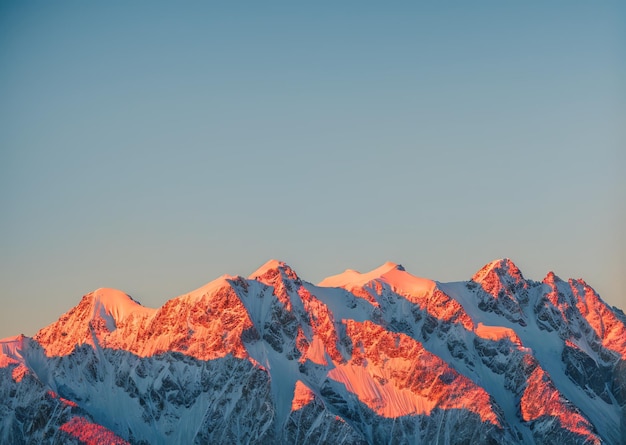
<point>390,273</point>
<point>388,267</point>
<point>501,274</point>
<point>501,267</point>
<point>269,265</point>
<point>503,289</point>
<point>274,267</point>
<point>388,357</point>
<point>113,302</point>
<point>113,306</point>
<point>99,313</point>
<point>551,278</point>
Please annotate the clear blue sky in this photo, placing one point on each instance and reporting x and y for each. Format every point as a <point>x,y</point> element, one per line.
<point>152,147</point>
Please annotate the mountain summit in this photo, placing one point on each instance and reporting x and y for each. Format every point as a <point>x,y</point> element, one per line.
<point>376,357</point>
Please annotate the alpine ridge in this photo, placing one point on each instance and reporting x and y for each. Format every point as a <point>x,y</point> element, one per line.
<point>360,358</point>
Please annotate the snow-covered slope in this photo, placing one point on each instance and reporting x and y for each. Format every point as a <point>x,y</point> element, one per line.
<point>377,357</point>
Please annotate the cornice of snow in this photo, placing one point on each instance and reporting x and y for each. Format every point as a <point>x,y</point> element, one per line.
<point>390,273</point>
<point>116,304</point>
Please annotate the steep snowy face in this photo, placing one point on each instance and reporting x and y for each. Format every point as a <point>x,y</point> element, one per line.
<point>606,325</point>
<point>280,277</point>
<point>30,410</point>
<point>11,350</point>
<point>578,314</point>
<point>206,324</point>
<point>107,317</point>
<point>395,376</point>
<point>376,357</point>
<point>541,400</point>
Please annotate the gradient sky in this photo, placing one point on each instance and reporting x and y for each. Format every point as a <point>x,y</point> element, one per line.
<point>152,147</point>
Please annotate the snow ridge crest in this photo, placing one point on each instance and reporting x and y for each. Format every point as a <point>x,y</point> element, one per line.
<point>373,357</point>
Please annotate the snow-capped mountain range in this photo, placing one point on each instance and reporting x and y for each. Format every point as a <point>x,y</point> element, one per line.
<point>377,357</point>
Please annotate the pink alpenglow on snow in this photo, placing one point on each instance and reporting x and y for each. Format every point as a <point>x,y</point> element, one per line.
<point>389,273</point>
<point>11,350</point>
<point>541,398</point>
<point>361,357</point>
<point>107,316</point>
<point>497,333</point>
<point>607,326</point>
<point>91,433</point>
<point>383,372</point>
<point>302,395</point>
<point>496,276</point>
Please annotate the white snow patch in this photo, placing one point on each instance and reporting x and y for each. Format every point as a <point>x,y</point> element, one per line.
<point>390,273</point>
<point>114,305</point>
